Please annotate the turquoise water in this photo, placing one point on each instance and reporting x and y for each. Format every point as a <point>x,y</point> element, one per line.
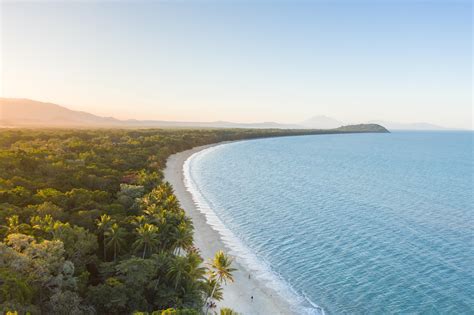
<point>355,224</point>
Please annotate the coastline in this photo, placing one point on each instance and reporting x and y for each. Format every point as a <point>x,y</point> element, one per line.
<point>237,295</point>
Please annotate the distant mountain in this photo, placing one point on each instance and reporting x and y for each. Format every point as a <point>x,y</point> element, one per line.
<point>24,112</point>
<point>390,125</point>
<point>16,112</point>
<point>321,122</point>
<point>28,113</point>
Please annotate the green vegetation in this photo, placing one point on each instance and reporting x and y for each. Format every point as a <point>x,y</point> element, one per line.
<point>88,226</point>
<point>220,272</point>
<point>361,128</point>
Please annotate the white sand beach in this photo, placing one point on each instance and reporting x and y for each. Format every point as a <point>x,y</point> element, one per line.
<point>237,295</point>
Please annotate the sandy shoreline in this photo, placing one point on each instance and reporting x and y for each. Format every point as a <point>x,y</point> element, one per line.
<point>236,295</point>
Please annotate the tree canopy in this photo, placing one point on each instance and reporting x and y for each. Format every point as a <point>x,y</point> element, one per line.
<point>88,226</point>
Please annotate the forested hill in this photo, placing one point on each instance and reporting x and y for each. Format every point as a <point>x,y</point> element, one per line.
<point>89,227</point>
<point>361,128</point>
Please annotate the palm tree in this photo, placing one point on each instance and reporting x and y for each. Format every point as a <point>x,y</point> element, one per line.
<point>162,196</point>
<point>43,225</point>
<point>59,230</point>
<point>103,224</point>
<point>14,225</point>
<point>151,210</point>
<point>161,262</point>
<point>183,238</point>
<point>221,270</point>
<point>178,271</point>
<point>139,220</point>
<point>157,195</point>
<point>227,311</point>
<point>164,190</point>
<point>171,203</point>
<point>166,186</point>
<point>211,284</point>
<point>195,269</point>
<point>115,237</point>
<point>147,238</point>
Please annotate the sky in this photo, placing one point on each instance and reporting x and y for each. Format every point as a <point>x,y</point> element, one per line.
<point>244,61</point>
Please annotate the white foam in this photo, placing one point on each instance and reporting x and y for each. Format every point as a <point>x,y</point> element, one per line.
<point>243,254</point>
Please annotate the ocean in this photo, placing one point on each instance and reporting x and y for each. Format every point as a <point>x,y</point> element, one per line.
<point>349,223</point>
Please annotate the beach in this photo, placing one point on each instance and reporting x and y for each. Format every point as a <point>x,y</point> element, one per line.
<point>237,295</point>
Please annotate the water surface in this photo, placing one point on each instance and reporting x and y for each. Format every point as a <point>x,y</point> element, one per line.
<point>356,223</point>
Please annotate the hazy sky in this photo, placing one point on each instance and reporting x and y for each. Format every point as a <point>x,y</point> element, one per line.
<point>244,60</point>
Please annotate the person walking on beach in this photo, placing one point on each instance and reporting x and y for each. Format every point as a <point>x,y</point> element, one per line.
<point>251,298</point>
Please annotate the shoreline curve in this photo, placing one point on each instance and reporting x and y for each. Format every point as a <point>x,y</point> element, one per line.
<point>237,295</point>
<point>209,239</point>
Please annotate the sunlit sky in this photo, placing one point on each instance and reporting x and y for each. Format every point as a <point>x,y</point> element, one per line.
<point>244,61</point>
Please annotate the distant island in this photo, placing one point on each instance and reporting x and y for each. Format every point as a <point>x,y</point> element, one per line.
<point>361,128</point>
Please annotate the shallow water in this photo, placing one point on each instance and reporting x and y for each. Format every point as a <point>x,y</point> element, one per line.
<point>356,223</point>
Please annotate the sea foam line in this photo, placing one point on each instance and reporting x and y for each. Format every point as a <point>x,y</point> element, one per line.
<point>242,252</point>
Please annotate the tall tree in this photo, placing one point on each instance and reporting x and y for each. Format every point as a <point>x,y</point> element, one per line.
<point>183,238</point>
<point>115,238</point>
<point>147,238</point>
<point>103,224</point>
<point>14,225</point>
<point>178,271</point>
<point>221,270</point>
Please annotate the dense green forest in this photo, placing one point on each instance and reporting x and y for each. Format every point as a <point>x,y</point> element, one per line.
<point>89,227</point>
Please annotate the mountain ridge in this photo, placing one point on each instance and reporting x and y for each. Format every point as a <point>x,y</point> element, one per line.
<point>22,112</point>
